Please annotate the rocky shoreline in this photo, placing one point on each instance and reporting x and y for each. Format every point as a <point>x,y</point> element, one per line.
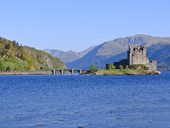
<point>125,72</point>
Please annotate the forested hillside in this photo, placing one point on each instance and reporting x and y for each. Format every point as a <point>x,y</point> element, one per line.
<point>15,57</point>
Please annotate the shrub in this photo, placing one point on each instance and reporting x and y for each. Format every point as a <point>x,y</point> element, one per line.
<point>92,68</point>
<point>138,67</point>
<point>110,67</point>
<point>120,67</point>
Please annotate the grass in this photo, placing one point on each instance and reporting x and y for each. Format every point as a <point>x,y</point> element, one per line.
<point>120,72</point>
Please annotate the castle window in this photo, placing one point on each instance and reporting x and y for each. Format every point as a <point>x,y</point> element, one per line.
<point>141,49</point>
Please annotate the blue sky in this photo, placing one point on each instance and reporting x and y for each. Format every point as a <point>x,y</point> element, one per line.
<point>79,24</point>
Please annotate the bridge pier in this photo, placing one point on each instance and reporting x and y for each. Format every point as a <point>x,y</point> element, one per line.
<point>72,71</point>
<point>61,72</point>
<point>80,71</point>
<point>53,72</point>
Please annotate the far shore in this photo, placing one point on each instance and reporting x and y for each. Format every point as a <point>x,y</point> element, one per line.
<point>26,73</point>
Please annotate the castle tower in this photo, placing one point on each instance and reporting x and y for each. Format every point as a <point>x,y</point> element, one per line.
<point>137,55</point>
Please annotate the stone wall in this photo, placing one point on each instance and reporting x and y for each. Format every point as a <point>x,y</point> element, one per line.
<point>153,65</point>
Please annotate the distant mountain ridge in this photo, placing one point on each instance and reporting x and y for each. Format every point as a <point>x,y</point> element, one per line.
<point>68,56</point>
<point>158,48</point>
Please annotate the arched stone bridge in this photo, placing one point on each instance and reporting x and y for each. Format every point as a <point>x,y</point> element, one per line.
<point>72,71</point>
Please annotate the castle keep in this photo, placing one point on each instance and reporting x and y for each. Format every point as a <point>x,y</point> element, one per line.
<point>137,56</point>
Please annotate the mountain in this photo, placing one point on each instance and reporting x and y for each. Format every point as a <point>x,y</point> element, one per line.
<point>14,57</point>
<point>115,50</point>
<point>68,56</point>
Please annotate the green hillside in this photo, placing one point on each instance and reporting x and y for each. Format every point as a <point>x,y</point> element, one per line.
<point>14,57</point>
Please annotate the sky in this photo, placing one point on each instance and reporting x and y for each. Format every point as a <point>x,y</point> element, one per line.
<point>79,24</point>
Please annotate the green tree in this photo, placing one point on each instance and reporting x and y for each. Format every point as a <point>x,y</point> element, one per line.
<point>120,67</point>
<point>8,68</point>
<point>92,68</point>
<point>111,67</point>
<point>1,65</point>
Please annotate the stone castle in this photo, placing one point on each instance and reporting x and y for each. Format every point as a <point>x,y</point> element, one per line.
<point>137,56</point>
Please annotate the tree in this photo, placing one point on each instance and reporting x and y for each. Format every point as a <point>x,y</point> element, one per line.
<point>92,68</point>
<point>7,46</point>
<point>1,65</point>
<point>120,67</point>
<point>8,68</point>
<point>110,66</point>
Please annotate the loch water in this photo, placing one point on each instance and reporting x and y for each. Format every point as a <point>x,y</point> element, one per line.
<point>121,101</point>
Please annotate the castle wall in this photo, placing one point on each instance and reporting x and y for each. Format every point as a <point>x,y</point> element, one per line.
<point>153,65</point>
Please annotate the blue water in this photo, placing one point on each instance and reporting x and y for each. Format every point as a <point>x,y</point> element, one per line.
<point>85,101</point>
